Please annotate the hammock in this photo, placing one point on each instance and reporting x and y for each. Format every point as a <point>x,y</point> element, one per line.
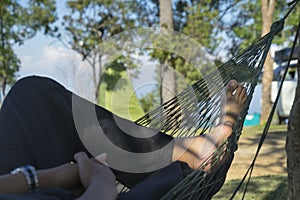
<point>182,116</point>
<point>245,68</point>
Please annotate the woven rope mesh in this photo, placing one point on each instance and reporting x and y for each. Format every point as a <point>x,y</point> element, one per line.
<point>197,110</point>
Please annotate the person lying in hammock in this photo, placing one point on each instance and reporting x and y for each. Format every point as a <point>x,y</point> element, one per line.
<point>38,129</point>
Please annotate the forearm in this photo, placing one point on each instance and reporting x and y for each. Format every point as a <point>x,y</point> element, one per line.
<point>63,176</point>
<point>13,183</point>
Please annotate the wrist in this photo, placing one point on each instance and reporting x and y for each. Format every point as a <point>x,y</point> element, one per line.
<point>30,176</point>
<point>67,175</point>
<point>63,176</point>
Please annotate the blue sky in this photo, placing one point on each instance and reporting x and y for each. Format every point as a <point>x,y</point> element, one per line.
<point>46,56</point>
<point>43,55</point>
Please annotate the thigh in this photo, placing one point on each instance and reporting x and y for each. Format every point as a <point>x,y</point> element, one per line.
<point>36,125</point>
<point>134,151</point>
<point>37,128</point>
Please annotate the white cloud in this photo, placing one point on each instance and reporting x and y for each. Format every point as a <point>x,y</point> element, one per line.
<point>55,62</point>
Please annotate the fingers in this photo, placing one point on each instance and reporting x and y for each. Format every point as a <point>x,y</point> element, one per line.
<point>80,156</point>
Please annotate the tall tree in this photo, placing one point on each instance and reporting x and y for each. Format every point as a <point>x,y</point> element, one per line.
<point>293,147</point>
<point>18,23</point>
<point>293,141</point>
<point>196,19</point>
<point>167,74</point>
<point>267,10</point>
<point>252,26</point>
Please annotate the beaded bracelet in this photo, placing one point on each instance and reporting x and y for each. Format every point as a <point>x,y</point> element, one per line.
<point>30,175</point>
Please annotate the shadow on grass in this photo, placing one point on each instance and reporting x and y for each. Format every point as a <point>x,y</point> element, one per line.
<point>280,192</point>
<point>259,188</point>
<point>270,160</point>
<point>272,157</point>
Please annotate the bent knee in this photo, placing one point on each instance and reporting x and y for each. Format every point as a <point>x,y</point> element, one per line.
<point>34,82</point>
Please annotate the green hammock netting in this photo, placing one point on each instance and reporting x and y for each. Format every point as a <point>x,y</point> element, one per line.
<point>197,110</point>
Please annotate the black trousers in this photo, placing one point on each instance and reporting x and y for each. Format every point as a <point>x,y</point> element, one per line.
<point>37,128</point>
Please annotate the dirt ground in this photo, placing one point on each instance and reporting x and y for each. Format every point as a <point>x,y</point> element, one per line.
<point>271,160</point>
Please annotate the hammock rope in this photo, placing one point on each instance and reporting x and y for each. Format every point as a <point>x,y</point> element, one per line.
<point>245,68</point>
<point>197,110</point>
<point>266,129</point>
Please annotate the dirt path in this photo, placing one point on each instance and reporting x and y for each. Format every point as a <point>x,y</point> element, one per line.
<point>271,160</point>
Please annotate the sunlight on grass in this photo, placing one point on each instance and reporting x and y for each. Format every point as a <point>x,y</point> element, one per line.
<point>260,188</point>
<point>251,130</point>
<point>270,187</point>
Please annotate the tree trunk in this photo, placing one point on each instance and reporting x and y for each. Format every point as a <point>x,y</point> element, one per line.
<point>267,9</point>
<point>293,145</point>
<point>4,61</point>
<point>167,74</point>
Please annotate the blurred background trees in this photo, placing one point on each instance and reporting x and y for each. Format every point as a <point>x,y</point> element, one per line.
<point>18,23</point>
<point>223,28</point>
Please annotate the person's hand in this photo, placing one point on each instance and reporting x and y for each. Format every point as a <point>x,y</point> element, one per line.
<point>94,171</point>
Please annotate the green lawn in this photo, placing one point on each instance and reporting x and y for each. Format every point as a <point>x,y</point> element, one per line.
<point>122,100</point>
<point>250,130</point>
<point>260,188</point>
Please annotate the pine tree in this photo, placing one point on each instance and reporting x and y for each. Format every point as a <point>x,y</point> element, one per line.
<point>19,23</point>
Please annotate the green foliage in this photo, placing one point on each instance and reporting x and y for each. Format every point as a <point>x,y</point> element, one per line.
<point>182,67</point>
<point>150,100</point>
<point>260,188</point>
<point>19,23</point>
<point>247,29</point>
<point>9,63</point>
<point>290,25</point>
<point>112,75</point>
<point>89,23</point>
<point>196,19</point>
<point>117,93</point>
<point>200,21</point>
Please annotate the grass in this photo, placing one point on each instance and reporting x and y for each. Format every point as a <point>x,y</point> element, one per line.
<point>260,188</point>
<point>258,129</point>
<point>122,100</point>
